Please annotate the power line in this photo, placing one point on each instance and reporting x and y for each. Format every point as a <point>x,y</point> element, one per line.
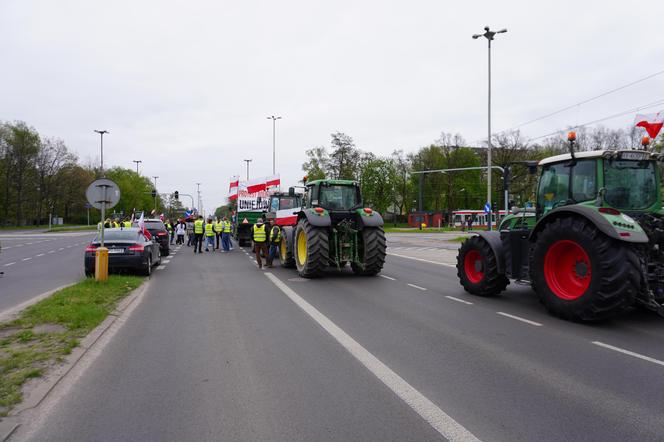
<point>585,101</point>
<point>620,114</point>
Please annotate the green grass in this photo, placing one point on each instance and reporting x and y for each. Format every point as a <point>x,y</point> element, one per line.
<point>72,228</point>
<point>458,239</point>
<point>54,228</point>
<point>65,318</point>
<point>389,228</point>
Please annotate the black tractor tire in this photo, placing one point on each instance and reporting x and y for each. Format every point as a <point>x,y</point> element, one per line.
<point>147,271</point>
<point>371,250</point>
<point>580,274</point>
<point>316,257</point>
<point>286,249</point>
<point>477,268</point>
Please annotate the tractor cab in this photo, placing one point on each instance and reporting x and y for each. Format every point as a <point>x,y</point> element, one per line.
<point>334,195</point>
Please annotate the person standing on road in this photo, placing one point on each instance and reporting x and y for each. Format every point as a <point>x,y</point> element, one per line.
<point>218,229</point>
<point>180,228</point>
<point>226,235</point>
<point>209,235</point>
<point>190,232</point>
<point>275,241</point>
<point>259,236</point>
<point>171,230</point>
<point>198,234</point>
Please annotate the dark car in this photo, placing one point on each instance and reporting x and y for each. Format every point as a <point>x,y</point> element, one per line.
<point>128,249</point>
<point>157,229</point>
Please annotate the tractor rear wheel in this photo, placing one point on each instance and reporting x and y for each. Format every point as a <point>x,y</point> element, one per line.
<point>581,274</point>
<point>371,251</point>
<point>312,249</point>
<point>286,249</point>
<point>477,268</point>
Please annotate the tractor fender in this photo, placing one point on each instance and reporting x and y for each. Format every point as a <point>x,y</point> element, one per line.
<point>593,216</point>
<point>315,219</point>
<point>369,220</point>
<point>493,239</point>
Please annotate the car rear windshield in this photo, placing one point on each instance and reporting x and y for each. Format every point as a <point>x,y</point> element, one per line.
<point>119,235</point>
<point>154,225</point>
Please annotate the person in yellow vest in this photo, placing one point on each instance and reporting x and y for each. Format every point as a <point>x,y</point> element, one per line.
<point>259,235</point>
<point>198,234</point>
<point>126,223</point>
<point>209,235</point>
<point>226,235</point>
<point>218,229</point>
<point>274,239</point>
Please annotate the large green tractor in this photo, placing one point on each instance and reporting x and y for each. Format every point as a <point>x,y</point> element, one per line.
<point>333,228</point>
<point>593,245</point>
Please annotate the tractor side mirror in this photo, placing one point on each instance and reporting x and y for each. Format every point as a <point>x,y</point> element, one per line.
<point>291,191</point>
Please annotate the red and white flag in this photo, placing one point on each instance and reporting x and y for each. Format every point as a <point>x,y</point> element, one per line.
<point>256,185</point>
<point>232,190</point>
<point>141,225</point>
<point>652,123</point>
<point>273,181</point>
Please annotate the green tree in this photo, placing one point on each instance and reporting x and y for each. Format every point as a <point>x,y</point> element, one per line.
<point>316,165</point>
<point>378,183</point>
<point>344,159</point>
<point>134,191</point>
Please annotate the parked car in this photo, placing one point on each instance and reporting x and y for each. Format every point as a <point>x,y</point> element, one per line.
<point>128,249</point>
<point>157,229</point>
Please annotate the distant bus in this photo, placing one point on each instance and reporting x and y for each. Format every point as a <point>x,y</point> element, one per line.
<point>479,217</point>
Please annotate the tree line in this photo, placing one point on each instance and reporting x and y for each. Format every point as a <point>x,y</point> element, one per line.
<point>39,176</point>
<point>390,185</point>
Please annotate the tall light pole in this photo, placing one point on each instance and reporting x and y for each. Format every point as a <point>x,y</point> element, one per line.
<point>137,163</point>
<point>489,35</point>
<point>274,142</point>
<point>247,161</point>
<point>155,194</point>
<point>198,196</point>
<point>102,132</point>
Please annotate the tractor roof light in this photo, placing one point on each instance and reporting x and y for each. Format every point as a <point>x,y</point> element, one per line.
<point>571,136</point>
<point>645,142</point>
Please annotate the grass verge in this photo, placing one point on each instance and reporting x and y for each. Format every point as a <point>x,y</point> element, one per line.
<point>43,334</point>
<point>416,230</point>
<point>72,228</point>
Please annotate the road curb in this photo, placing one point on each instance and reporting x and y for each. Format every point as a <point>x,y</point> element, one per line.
<point>46,385</point>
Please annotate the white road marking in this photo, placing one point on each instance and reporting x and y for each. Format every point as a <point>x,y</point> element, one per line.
<point>41,254</point>
<point>423,260</point>
<point>165,261</point>
<point>10,264</point>
<point>463,301</point>
<point>60,249</point>
<point>26,259</point>
<point>28,243</point>
<point>51,251</point>
<point>527,321</point>
<point>69,247</point>
<point>388,277</point>
<point>161,267</point>
<point>437,418</point>
<point>6,248</point>
<point>417,287</point>
<point>630,353</point>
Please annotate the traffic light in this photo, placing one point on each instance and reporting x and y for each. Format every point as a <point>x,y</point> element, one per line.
<point>154,193</point>
<point>176,194</point>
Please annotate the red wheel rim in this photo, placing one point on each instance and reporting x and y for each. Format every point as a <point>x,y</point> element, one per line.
<point>473,264</point>
<point>567,269</point>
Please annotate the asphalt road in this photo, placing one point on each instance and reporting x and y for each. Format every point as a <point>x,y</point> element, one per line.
<point>36,262</point>
<point>218,350</point>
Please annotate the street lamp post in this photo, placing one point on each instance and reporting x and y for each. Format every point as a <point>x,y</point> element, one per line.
<point>274,143</point>
<point>489,35</point>
<point>137,163</point>
<point>155,194</point>
<point>198,196</point>
<point>247,161</point>
<point>102,132</point>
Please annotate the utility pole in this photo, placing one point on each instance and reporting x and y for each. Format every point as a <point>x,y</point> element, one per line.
<point>489,35</point>
<point>198,200</point>
<point>274,136</point>
<point>102,132</point>
<point>155,194</point>
<point>248,161</point>
<point>137,163</point>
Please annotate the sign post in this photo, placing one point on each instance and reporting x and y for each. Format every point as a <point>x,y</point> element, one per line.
<point>487,213</point>
<point>102,194</point>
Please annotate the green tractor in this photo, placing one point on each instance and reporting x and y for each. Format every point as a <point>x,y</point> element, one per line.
<point>333,229</point>
<point>592,247</point>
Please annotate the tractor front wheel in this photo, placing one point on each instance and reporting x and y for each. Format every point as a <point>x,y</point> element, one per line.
<point>581,274</point>
<point>312,249</point>
<point>477,268</point>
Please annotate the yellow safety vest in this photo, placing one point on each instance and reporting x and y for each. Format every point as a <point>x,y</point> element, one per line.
<point>116,224</point>
<point>259,233</point>
<point>209,230</point>
<point>218,227</point>
<point>198,226</point>
<point>275,239</point>
<point>127,223</point>
<point>227,227</point>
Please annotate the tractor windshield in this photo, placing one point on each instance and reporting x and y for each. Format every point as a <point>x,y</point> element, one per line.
<point>338,197</point>
<point>630,185</point>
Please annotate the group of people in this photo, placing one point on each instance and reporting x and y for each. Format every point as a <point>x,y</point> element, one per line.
<point>200,230</point>
<point>115,223</point>
<point>267,239</point>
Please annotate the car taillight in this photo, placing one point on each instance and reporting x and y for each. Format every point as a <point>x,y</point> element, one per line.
<point>162,234</point>
<point>91,248</point>
<point>136,248</point>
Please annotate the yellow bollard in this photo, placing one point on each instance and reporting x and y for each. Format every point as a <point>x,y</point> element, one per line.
<point>101,264</point>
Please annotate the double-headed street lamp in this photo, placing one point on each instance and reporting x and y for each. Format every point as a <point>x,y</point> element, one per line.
<point>247,161</point>
<point>137,163</point>
<point>274,149</point>
<point>155,193</point>
<point>102,132</point>
<point>489,35</point>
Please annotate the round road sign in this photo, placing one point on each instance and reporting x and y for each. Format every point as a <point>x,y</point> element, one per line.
<point>103,191</point>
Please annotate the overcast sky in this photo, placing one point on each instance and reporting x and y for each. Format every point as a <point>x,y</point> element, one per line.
<point>186,86</point>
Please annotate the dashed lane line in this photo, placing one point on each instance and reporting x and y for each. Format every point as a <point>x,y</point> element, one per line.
<point>463,301</point>
<point>162,267</point>
<point>165,261</point>
<point>417,287</point>
<point>388,277</point>
<point>10,264</point>
<point>518,318</point>
<point>51,251</point>
<point>629,353</point>
<point>423,260</point>
<point>26,259</point>
<point>423,406</point>
<point>41,254</point>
